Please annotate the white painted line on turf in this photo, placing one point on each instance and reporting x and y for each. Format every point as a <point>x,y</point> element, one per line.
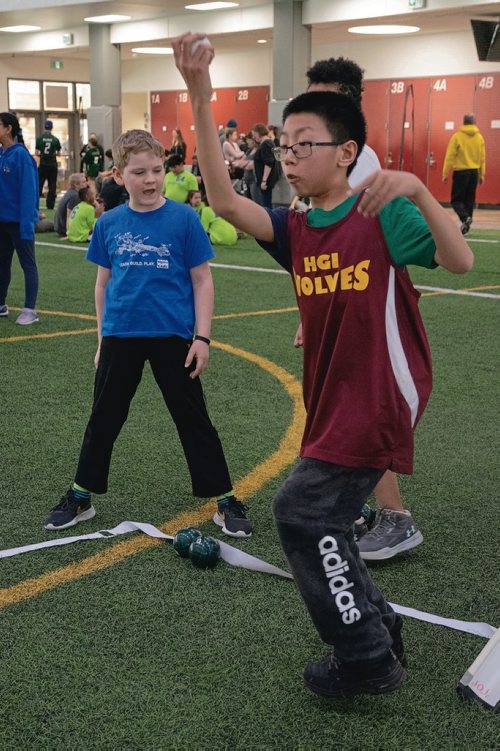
<point>236,557</point>
<point>464,292</point>
<point>441,290</point>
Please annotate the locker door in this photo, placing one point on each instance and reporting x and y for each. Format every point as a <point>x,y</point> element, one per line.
<point>163,115</point>
<point>251,107</point>
<point>451,98</point>
<point>224,106</point>
<point>375,107</point>
<point>487,109</point>
<point>408,126</point>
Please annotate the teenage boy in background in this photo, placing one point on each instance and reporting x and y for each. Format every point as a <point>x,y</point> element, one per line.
<point>154,290</point>
<point>367,367</point>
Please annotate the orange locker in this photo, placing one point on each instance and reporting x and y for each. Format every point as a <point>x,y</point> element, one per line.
<point>185,123</point>
<point>408,131</point>
<point>487,110</point>
<point>224,106</point>
<point>251,107</point>
<point>451,98</point>
<point>375,106</point>
<point>163,115</point>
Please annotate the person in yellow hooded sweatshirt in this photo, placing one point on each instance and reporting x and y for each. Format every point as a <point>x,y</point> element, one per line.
<point>466,155</point>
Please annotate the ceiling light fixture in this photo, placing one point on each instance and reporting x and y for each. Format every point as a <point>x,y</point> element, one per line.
<point>383,29</point>
<point>211,6</point>
<point>261,41</point>
<point>19,29</point>
<point>153,50</point>
<point>107,19</point>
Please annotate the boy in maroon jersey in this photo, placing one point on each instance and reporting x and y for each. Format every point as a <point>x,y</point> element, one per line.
<point>367,366</point>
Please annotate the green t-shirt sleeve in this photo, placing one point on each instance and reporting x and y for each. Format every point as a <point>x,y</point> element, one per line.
<point>407,234</point>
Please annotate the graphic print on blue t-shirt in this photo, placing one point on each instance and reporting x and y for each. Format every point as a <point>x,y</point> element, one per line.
<point>137,252</point>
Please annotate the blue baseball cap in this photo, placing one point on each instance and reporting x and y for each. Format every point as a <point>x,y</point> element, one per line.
<point>48,124</point>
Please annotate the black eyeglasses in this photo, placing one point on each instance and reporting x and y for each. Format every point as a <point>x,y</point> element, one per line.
<point>301,149</point>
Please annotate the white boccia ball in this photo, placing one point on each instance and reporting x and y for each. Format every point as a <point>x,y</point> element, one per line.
<point>198,43</point>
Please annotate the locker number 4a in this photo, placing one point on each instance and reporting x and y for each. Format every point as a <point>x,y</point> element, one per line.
<point>440,85</point>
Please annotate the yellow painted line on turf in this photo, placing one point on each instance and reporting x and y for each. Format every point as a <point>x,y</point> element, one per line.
<point>53,335</point>
<point>284,455</point>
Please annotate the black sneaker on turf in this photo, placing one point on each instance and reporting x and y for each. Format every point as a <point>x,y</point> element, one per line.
<point>69,511</point>
<point>231,516</point>
<point>340,680</point>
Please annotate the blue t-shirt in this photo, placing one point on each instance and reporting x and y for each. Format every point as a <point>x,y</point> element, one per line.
<point>150,255</point>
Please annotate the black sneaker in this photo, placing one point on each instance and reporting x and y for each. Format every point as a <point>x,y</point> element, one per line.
<point>231,516</point>
<point>69,511</point>
<point>336,680</point>
<point>465,226</point>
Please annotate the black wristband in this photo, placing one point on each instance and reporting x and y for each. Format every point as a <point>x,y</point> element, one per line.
<point>202,339</point>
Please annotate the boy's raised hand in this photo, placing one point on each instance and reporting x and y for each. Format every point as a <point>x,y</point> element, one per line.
<point>198,351</point>
<point>382,186</point>
<point>194,67</point>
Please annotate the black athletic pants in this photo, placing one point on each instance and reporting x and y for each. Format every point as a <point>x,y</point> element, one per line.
<point>463,192</point>
<point>314,512</point>
<point>118,376</point>
<point>48,172</point>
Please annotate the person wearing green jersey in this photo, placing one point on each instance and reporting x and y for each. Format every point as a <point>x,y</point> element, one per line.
<point>48,148</point>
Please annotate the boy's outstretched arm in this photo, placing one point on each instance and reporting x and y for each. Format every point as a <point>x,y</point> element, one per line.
<point>243,213</point>
<point>452,252</point>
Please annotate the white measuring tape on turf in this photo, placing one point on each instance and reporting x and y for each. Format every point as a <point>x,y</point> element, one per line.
<point>236,557</point>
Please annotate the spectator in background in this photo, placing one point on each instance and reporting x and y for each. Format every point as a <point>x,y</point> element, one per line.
<point>93,160</point>
<point>112,194</point>
<point>249,183</point>
<point>178,144</point>
<point>178,181</point>
<point>92,136</point>
<point>48,148</point>
<point>219,231</point>
<point>273,133</point>
<point>233,155</point>
<point>267,170</point>
<point>18,214</point>
<point>67,203</point>
<point>466,156</point>
<point>83,217</point>
<point>222,131</point>
<point>195,170</point>
<point>105,173</point>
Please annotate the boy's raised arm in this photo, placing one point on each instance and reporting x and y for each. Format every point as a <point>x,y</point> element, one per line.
<point>245,214</point>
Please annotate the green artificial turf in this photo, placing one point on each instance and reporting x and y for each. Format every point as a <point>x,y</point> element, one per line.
<point>154,654</point>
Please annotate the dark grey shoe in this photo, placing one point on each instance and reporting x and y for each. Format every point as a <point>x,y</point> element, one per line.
<point>393,532</point>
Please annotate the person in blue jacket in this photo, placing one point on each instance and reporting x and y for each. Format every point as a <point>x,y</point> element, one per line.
<point>18,214</point>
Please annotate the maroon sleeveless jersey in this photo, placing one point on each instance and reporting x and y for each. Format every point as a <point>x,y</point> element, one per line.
<point>367,363</point>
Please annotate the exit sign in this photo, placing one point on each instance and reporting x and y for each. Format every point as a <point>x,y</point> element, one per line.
<point>57,64</point>
<point>416,4</point>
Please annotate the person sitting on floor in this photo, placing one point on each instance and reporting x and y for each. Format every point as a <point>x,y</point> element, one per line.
<point>83,217</point>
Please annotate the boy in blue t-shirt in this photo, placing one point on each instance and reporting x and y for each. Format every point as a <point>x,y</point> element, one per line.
<point>153,290</point>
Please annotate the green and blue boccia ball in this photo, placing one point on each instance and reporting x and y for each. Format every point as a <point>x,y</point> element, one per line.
<point>183,540</point>
<point>204,552</point>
